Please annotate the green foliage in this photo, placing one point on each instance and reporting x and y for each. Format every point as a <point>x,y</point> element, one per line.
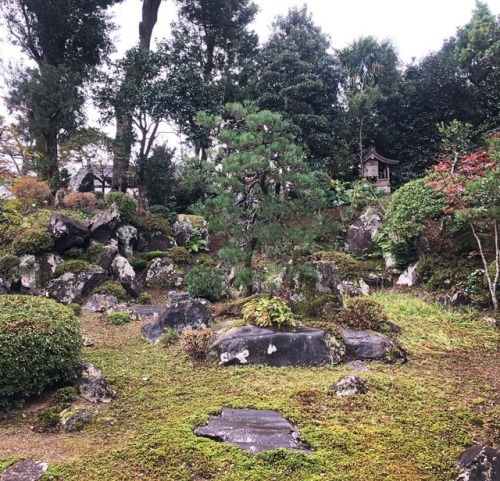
<point>197,342</point>
<point>205,260</point>
<point>144,298</point>
<point>363,313</point>
<point>32,242</point>
<point>156,254</point>
<point>163,212</point>
<point>153,222</point>
<point>139,264</point>
<point>247,197</point>
<point>65,395</point>
<point>48,418</point>
<point>111,288</point>
<point>268,312</point>
<point>409,207</point>
<point>73,265</point>
<point>127,206</point>
<point>440,272</point>
<point>76,308</point>
<point>39,346</point>
<point>118,318</point>
<point>205,282</point>
<point>349,268</point>
<point>7,263</point>
<point>196,244</point>
<point>180,255</point>
<point>169,337</point>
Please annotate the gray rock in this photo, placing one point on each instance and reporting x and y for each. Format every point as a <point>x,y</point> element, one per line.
<point>123,272</point>
<point>74,418</point>
<point>162,273</point>
<point>3,286</point>
<point>184,228</point>
<point>366,345</point>
<point>25,471</point>
<point>361,234</point>
<point>107,256</point>
<point>152,332</point>
<point>71,287</point>
<point>127,237</point>
<point>255,345</point>
<point>409,277</point>
<point>358,366</point>
<point>460,298</point>
<point>10,273</point>
<point>154,241</point>
<point>100,303</point>
<point>174,296</point>
<point>348,386</point>
<point>253,430</point>
<point>5,193</point>
<point>479,463</point>
<point>92,385</point>
<point>377,281</point>
<point>59,197</point>
<point>83,180</point>
<point>352,289</point>
<point>103,226</point>
<point>67,232</point>
<point>146,313</point>
<point>191,314</point>
<point>30,272</point>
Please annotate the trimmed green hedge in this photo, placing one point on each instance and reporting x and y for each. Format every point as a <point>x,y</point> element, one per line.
<point>40,346</point>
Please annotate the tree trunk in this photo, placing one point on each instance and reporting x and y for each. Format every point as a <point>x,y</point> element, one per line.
<point>124,138</point>
<point>248,289</point>
<point>47,167</point>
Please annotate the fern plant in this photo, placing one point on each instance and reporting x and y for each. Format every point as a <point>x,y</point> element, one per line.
<point>268,312</point>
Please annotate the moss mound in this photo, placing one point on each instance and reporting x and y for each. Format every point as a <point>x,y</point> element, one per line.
<point>39,346</point>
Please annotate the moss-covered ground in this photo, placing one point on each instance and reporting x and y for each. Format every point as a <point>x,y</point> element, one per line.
<point>412,424</point>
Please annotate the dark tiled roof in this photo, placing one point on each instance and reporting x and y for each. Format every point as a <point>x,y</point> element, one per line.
<point>373,154</point>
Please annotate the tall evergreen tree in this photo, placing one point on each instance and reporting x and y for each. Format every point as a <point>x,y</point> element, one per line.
<point>66,39</point>
<point>299,77</point>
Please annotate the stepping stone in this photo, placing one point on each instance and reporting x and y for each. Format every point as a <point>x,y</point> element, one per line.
<point>253,430</point>
<point>25,471</point>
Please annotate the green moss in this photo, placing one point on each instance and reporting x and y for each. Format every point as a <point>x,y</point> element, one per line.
<point>73,265</point>
<point>7,263</point>
<point>32,242</point>
<point>139,264</point>
<point>349,268</point>
<point>118,318</point>
<point>155,255</point>
<point>112,288</point>
<point>180,255</point>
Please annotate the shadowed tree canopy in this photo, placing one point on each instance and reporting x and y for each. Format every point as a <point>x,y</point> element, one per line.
<point>66,39</point>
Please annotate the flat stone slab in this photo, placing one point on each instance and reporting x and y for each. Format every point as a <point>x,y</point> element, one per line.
<point>25,471</point>
<point>301,347</point>
<point>140,312</point>
<point>479,463</point>
<point>253,430</point>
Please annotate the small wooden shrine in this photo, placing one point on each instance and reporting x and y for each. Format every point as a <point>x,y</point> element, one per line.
<point>377,169</point>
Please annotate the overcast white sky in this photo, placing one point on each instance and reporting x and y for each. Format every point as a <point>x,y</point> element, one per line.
<point>415,26</point>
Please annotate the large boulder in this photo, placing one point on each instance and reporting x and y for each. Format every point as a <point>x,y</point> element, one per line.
<point>100,303</point>
<point>123,272</point>
<point>163,273</point>
<point>67,232</point>
<point>26,470</point>
<point>297,347</point>
<point>36,271</point>
<point>366,345</point>
<point>75,418</point>
<point>190,314</point>
<point>479,463</point>
<point>187,226</point>
<point>253,430</point>
<point>361,234</point>
<point>104,225</point>
<point>127,238</point>
<point>83,180</point>
<point>315,293</point>
<point>108,254</point>
<point>72,287</point>
<point>92,385</point>
<point>154,241</point>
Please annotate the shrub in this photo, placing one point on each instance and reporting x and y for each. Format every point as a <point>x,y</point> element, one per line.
<point>76,308</point>
<point>94,253</point>
<point>205,260</point>
<point>197,342</point>
<point>153,222</point>
<point>144,298</point>
<point>197,244</point>
<point>31,190</point>
<point>180,255</point>
<point>126,205</point>
<point>363,313</point>
<point>32,242</point>
<point>65,395</point>
<point>155,254</point>
<point>169,337</point>
<point>163,212</point>
<point>111,288</point>
<point>39,346</point>
<point>268,312</point>
<point>118,318</point>
<point>72,265</point>
<point>7,263</point>
<point>80,200</point>
<point>205,282</point>
<point>48,419</point>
